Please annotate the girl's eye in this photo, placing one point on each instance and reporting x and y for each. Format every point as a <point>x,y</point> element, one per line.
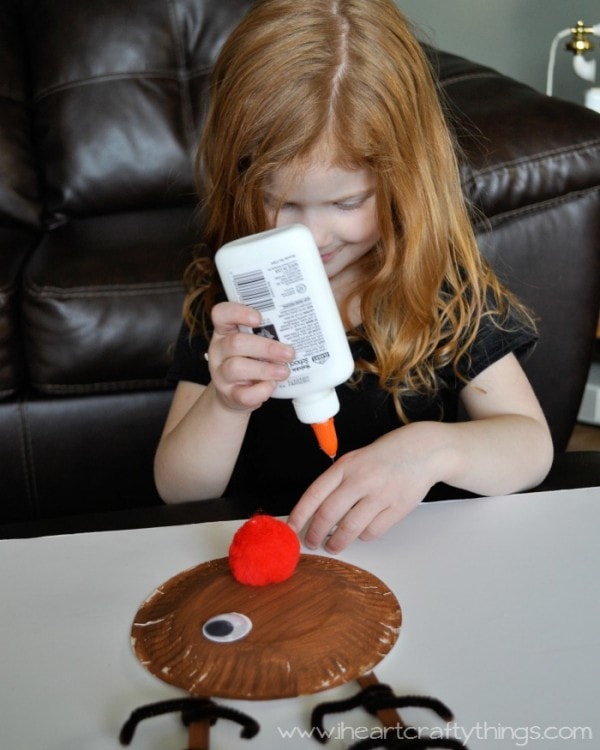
<point>228,627</point>
<point>350,206</point>
<point>273,205</point>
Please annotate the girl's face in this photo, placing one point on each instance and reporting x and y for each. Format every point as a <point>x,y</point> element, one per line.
<point>337,205</point>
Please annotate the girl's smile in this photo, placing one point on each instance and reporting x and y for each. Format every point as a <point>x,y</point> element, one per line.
<point>328,255</point>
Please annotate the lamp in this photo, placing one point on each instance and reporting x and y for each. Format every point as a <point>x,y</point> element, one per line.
<point>579,43</point>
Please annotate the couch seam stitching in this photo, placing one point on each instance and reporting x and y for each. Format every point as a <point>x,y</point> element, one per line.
<point>109,386</point>
<point>27,460</point>
<point>468,77</point>
<point>42,292</point>
<point>183,79</point>
<point>168,73</point>
<point>562,151</point>
<point>535,208</point>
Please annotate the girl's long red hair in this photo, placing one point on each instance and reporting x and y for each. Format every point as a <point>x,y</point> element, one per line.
<point>294,73</point>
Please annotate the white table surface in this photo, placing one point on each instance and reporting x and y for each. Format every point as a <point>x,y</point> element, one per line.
<point>501,621</point>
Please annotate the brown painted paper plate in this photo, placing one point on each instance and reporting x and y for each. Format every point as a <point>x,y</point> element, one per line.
<point>329,623</point>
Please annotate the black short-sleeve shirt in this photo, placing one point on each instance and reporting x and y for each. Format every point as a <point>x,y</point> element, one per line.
<point>280,457</point>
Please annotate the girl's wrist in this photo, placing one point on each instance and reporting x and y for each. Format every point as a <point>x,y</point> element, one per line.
<point>224,409</point>
<point>436,444</point>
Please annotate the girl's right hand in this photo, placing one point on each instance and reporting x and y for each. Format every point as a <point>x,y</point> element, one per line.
<point>244,368</point>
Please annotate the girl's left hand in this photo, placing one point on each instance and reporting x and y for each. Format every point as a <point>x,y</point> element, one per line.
<point>367,491</point>
<point>504,447</point>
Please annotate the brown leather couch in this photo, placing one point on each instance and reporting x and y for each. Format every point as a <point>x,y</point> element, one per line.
<point>100,107</point>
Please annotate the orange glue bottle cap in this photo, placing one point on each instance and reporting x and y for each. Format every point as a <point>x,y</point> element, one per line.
<point>326,437</point>
<point>318,409</point>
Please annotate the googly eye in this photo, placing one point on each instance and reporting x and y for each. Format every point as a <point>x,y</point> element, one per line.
<point>228,627</point>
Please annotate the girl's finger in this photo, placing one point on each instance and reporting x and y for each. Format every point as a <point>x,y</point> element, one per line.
<point>314,497</point>
<point>352,525</point>
<point>228,316</point>
<point>253,395</point>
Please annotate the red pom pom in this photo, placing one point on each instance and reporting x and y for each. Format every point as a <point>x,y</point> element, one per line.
<point>264,550</point>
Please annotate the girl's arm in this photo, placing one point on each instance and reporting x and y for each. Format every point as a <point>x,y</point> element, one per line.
<point>199,445</point>
<point>505,447</point>
<point>206,425</point>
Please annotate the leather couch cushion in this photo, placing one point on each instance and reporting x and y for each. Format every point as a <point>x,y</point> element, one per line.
<point>546,158</point>
<point>118,94</point>
<point>561,286</point>
<point>83,453</point>
<point>102,301</point>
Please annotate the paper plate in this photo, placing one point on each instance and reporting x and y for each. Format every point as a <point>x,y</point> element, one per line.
<point>329,623</point>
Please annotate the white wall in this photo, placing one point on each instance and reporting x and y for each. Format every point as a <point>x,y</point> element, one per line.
<point>512,36</point>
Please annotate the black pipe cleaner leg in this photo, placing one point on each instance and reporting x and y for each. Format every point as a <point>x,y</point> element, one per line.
<point>375,698</point>
<point>192,710</point>
<point>211,712</point>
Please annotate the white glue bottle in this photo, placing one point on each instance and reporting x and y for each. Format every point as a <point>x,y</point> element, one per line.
<point>280,273</point>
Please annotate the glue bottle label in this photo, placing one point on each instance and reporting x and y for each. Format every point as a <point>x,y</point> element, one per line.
<point>280,293</point>
<point>280,273</point>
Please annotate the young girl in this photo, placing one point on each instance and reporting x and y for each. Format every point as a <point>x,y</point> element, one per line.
<point>325,113</point>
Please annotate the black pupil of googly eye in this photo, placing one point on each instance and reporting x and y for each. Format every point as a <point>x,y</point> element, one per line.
<point>218,628</point>
<point>227,627</point>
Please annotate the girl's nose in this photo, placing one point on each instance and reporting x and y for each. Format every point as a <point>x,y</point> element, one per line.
<point>319,228</point>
